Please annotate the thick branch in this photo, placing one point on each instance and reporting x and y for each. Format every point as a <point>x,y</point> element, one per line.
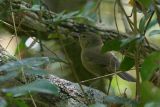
<point>75,94</point>
<point>70,93</point>
<point>41,23</point>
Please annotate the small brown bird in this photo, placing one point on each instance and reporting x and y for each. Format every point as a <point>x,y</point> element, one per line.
<point>95,61</point>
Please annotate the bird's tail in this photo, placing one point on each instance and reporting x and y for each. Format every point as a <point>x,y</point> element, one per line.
<point>127,77</point>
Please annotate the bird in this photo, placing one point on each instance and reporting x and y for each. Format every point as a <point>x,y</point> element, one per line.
<point>96,62</point>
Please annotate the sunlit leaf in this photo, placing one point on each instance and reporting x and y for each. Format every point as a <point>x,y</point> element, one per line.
<point>150,64</point>
<point>127,63</point>
<point>154,32</point>
<point>41,85</point>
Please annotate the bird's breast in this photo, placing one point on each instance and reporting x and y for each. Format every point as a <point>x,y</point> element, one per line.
<point>90,65</point>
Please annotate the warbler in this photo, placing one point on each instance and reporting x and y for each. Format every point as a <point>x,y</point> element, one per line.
<point>95,61</point>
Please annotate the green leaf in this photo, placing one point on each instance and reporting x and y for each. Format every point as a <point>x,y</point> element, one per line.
<point>154,32</point>
<point>35,71</point>
<point>129,41</point>
<point>111,45</point>
<point>150,64</point>
<point>149,93</point>
<point>70,15</point>
<point>62,16</point>
<point>152,23</point>
<point>145,3</point>
<point>36,8</point>
<point>41,85</point>
<point>28,63</point>
<point>120,100</point>
<point>97,105</point>
<point>130,44</point>
<point>127,63</point>
<point>58,17</point>
<point>143,21</point>
<point>88,11</point>
<point>3,103</point>
<point>8,76</point>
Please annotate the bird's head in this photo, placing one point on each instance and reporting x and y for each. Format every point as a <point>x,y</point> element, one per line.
<point>88,40</point>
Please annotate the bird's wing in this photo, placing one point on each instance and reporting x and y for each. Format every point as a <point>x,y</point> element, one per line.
<point>105,60</point>
<point>108,61</point>
<point>127,77</point>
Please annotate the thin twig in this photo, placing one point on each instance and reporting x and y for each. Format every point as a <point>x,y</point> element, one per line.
<point>100,77</point>
<point>137,54</point>
<point>19,54</point>
<point>129,21</point>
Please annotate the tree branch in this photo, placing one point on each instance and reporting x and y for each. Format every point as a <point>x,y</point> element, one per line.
<point>29,22</point>
<point>45,22</point>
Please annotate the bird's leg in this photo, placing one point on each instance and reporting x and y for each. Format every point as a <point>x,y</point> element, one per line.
<point>109,86</point>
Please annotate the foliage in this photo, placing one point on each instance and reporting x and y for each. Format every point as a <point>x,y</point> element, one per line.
<point>153,61</point>
<point>27,67</point>
<point>39,85</point>
<point>150,65</point>
<point>134,57</point>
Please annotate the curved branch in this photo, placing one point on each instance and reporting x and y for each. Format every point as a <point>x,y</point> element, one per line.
<point>44,22</point>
